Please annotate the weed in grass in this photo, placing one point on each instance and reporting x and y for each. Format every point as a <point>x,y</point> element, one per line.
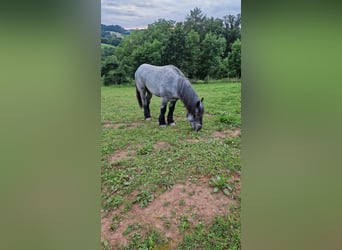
<point>190,209</point>
<point>107,148</point>
<point>145,149</point>
<point>193,179</point>
<point>115,222</point>
<point>229,119</point>
<point>181,202</point>
<point>166,182</point>
<point>166,203</point>
<point>152,240</point>
<point>105,245</point>
<point>195,216</point>
<point>115,179</point>
<point>192,193</point>
<point>127,206</point>
<point>221,183</point>
<point>144,198</point>
<point>113,202</point>
<point>132,227</point>
<point>184,223</point>
<point>173,213</point>
<point>166,222</point>
<point>136,237</point>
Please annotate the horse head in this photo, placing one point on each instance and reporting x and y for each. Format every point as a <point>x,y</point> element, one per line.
<point>196,117</point>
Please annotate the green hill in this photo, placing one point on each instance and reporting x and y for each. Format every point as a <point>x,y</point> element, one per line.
<point>112,34</point>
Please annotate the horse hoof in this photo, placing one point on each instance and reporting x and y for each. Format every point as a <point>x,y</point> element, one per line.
<point>162,126</point>
<point>148,119</point>
<point>172,124</point>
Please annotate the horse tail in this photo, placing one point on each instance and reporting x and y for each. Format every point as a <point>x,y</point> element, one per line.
<point>138,97</point>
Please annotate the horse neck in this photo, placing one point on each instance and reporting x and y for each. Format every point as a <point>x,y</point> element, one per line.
<point>187,95</point>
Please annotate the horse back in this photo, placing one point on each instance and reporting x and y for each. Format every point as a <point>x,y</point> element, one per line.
<point>159,80</point>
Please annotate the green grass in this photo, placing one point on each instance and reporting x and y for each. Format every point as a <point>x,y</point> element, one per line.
<point>103,45</point>
<point>223,233</point>
<point>151,240</point>
<point>185,153</point>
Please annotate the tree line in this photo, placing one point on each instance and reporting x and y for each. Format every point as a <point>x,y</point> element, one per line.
<point>203,48</point>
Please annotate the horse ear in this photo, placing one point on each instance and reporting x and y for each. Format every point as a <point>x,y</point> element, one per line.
<point>198,104</point>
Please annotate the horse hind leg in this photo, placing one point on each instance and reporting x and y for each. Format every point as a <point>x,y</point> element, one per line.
<point>163,105</point>
<point>170,120</point>
<point>148,101</point>
<point>145,103</point>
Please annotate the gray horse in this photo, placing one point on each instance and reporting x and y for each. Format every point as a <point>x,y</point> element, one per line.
<point>170,84</point>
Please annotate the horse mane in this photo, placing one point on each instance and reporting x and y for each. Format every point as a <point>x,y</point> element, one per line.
<point>187,95</point>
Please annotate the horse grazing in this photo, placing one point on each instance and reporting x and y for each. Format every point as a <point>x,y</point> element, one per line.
<point>170,84</point>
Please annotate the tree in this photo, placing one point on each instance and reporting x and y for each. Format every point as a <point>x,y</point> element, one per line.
<point>159,30</point>
<point>195,21</point>
<point>234,60</point>
<point>214,26</point>
<point>192,45</point>
<point>108,64</point>
<point>108,67</point>
<point>107,51</point>
<point>149,52</point>
<point>212,48</point>
<point>124,52</point>
<point>174,50</point>
<point>232,30</point>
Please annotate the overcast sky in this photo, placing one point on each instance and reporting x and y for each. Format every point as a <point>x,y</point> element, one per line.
<point>138,14</point>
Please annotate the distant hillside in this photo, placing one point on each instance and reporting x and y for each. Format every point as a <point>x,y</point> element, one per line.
<point>112,34</point>
<point>115,28</point>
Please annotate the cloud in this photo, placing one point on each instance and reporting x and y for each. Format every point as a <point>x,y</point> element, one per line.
<point>137,14</point>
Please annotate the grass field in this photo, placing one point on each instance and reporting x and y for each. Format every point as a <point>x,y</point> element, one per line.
<point>104,45</point>
<point>171,188</point>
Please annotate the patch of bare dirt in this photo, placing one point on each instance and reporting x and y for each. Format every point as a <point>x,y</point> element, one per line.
<point>235,180</point>
<point>161,145</point>
<point>194,140</point>
<point>226,133</point>
<point>235,132</point>
<point>195,202</point>
<point>121,155</point>
<point>218,134</point>
<point>110,124</point>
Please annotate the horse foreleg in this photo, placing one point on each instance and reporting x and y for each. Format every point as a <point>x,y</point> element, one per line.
<point>162,112</point>
<point>170,120</point>
<point>147,113</point>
